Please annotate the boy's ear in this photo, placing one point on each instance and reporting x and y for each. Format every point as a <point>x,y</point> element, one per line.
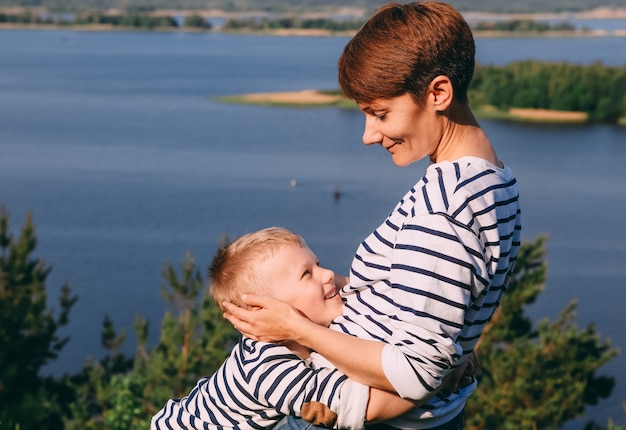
<point>441,93</point>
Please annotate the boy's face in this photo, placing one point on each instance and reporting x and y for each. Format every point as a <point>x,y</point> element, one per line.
<point>295,277</point>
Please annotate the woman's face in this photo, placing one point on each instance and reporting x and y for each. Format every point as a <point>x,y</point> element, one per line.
<point>408,131</point>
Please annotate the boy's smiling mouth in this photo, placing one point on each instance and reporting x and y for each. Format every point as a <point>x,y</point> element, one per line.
<point>331,295</point>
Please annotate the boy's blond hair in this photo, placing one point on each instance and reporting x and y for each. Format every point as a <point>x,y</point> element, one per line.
<point>233,269</point>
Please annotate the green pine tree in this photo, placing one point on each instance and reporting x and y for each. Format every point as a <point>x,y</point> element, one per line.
<point>536,379</point>
<point>29,336</point>
<point>195,338</point>
<point>121,393</point>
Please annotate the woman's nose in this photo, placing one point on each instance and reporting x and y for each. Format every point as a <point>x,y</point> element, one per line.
<point>371,135</point>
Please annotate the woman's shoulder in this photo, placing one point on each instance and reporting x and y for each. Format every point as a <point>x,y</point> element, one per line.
<point>451,186</point>
<point>467,173</point>
<point>468,166</point>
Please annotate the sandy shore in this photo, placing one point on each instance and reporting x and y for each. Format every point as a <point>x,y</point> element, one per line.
<point>548,115</point>
<point>304,97</point>
<point>599,13</point>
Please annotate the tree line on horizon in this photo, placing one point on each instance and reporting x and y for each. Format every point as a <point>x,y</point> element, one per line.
<point>532,375</point>
<point>125,20</point>
<point>142,19</point>
<point>596,89</point>
<point>339,25</point>
<point>299,6</point>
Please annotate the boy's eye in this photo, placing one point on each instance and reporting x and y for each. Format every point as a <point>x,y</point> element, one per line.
<point>306,272</point>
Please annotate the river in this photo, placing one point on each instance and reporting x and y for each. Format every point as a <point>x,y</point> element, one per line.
<point>113,140</point>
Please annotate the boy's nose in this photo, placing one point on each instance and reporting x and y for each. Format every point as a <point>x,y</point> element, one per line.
<point>329,276</point>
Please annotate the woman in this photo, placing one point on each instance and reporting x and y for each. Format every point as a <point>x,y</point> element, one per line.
<point>425,283</point>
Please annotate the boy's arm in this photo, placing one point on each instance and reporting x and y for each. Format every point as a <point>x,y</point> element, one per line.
<point>289,385</point>
<point>360,404</point>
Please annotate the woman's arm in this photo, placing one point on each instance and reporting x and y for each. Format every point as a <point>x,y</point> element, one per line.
<point>275,321</point>
<point>383,405</point>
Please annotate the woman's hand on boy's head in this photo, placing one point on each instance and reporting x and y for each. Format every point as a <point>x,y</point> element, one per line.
<point>268,320</point>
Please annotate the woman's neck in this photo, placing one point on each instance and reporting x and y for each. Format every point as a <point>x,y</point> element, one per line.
<point>463,137</point>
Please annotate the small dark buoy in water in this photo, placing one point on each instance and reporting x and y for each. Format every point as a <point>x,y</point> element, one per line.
<point>337,193</point>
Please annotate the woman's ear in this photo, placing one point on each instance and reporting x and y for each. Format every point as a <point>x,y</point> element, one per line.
<point>441,93</point>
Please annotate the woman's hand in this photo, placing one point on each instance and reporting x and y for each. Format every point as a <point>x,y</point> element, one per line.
<point>462,376</point>
<point>268,320</point>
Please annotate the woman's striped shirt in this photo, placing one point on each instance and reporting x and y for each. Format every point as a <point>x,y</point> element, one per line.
<point>430,277</point>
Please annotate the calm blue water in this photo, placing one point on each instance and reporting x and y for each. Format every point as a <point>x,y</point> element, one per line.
<point>115,144</point>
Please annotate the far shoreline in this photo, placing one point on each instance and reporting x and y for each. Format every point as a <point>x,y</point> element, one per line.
<point>601,13</point>
<point>298,32</point>
<point>310,98</point>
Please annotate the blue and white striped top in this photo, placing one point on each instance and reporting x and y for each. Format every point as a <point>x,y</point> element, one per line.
<point>256,386</point>
<point>430,277</point>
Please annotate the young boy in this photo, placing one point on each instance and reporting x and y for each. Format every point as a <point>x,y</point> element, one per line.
<point>260,383</point>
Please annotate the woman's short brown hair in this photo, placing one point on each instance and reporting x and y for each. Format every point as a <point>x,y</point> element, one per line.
<point>403,47</point>
<point>232,271</point>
